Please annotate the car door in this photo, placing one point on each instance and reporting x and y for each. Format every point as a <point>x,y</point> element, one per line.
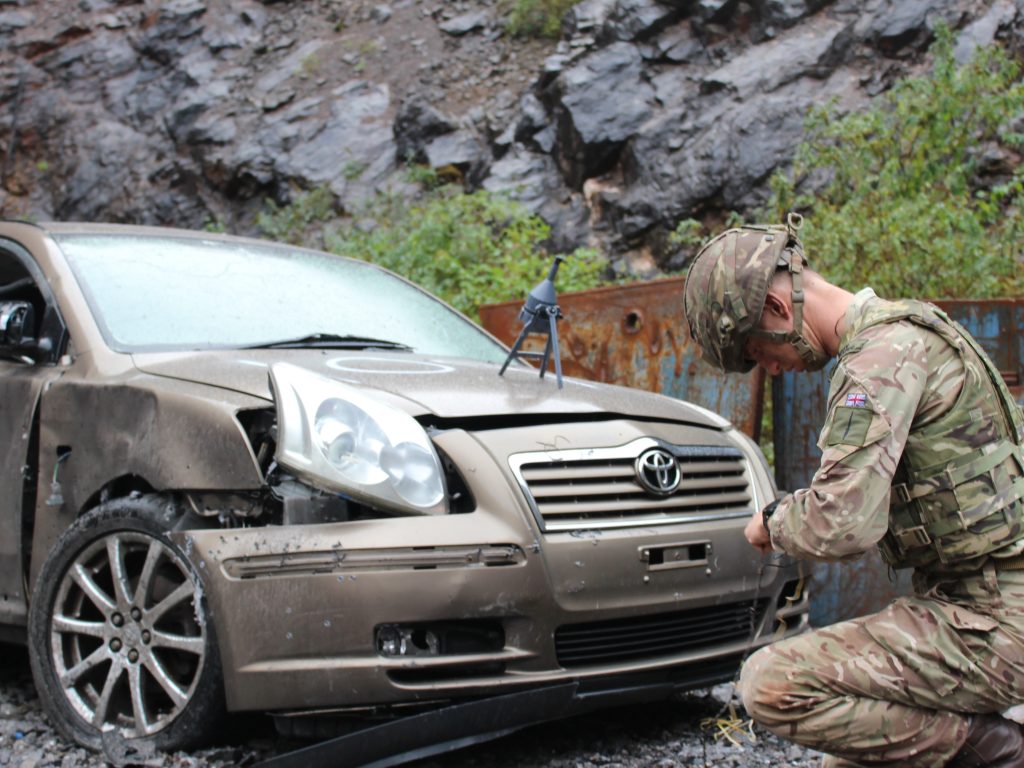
<point>22,378</point>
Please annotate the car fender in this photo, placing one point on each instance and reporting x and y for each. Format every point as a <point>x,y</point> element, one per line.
<point>168,435</point>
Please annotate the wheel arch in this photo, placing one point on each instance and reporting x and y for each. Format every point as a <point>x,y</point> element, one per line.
<point>143,434</point>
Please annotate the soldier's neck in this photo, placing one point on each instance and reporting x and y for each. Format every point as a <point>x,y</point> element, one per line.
<point>826,306</point>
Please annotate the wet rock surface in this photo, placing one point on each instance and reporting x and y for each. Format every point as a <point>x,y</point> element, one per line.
<point>645,112</point>
<point>665,734</point>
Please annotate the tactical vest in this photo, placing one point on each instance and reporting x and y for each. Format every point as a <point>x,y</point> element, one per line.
<point>957,489</point>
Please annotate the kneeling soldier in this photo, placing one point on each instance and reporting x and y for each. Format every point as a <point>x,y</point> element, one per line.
<point>922,456</point>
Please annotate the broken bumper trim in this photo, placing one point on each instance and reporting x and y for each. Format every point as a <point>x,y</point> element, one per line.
<point>422,735</point>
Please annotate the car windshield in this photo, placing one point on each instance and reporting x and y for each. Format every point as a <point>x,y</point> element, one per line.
<point>152,293</point>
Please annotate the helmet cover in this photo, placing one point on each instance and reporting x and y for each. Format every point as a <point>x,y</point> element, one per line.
<point>727,284</point>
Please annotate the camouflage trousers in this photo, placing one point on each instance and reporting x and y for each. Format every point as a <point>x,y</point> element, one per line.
<point>896,688</point>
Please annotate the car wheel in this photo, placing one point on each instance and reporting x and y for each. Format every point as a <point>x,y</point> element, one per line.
<point>121,642</point>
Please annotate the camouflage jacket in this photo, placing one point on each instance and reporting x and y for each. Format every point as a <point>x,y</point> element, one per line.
<point>891,398</point>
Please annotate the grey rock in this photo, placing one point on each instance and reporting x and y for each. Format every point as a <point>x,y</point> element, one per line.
<point>417,124</point>
<point>786,13</point>
<point>813,51</point>
<point>677,45</point>
<point>606,95</point>
<point>898,25</point>
<point>462,150</point>
<point>524,176</point>
<point>713,10</point>
<point>649,111</point>
<point>638,19</point>
<point>234,30</point>
<point>533,118</point>
<point>588,17</point>
<point>353,143</point>
<point>982,31</point>
<point>534,181</point>
<point>11,21</point>
<point>602,102</point>
<point>545,139</point>
<point>465,23</point>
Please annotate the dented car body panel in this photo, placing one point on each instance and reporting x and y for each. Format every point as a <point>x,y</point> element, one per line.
<point>454,534</point>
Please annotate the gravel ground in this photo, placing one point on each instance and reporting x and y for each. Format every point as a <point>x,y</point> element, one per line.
<point>662,735</point>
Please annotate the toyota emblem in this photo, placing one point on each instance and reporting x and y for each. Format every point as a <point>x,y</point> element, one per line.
<point>658,471</point>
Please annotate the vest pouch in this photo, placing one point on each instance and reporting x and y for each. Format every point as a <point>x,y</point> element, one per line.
<point>906,544</point>
<point>967,510</point>
<point>976,516</point>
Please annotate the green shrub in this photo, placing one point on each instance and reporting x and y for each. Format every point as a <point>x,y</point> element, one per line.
<point>906,208</point>
<point>469,249</point>
<point>301,221</point>
<point>537,18</point>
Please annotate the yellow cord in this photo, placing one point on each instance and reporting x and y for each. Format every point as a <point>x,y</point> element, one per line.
<point>730,728</point>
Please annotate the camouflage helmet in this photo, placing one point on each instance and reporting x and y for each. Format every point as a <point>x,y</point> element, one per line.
<point>726,288</point>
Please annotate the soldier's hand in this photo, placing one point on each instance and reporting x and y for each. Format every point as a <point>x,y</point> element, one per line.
<point>757,534</point>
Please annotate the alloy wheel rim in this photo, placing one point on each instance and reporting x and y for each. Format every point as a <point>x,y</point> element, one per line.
<point>127,636</point>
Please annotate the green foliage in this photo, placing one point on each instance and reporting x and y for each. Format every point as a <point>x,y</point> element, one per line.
<point>537,18</point>
<point>469,249</point>
<point>905,206</point>
<point>294,223</point>
<point>688,234</point>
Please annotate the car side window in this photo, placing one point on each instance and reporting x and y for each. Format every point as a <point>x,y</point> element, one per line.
<point>30,326</point>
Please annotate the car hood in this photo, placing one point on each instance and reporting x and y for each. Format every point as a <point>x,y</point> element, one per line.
<point>425,385</point>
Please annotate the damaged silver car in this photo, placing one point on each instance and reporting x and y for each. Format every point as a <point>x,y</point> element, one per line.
<point>245,476</point>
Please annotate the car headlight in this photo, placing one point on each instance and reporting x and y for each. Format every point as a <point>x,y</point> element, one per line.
<point>339,439</point>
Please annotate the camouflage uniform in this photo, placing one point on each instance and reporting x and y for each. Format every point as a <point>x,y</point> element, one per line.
<point>920,456</point>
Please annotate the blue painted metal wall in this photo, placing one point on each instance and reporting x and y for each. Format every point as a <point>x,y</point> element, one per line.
<point>842,591</point>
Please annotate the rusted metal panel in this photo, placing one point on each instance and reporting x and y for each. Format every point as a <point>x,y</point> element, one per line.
<point>799,409</point>
<point>636,336</point>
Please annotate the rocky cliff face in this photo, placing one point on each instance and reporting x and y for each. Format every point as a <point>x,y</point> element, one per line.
<point>647,111</point>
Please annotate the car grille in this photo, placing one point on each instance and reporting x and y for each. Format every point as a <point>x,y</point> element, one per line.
<point>598,488</point>
<point>646,637</point>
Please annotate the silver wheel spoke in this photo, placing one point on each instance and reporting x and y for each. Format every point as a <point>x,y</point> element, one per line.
<point>178,642</point>
<point>183,592</point>
<point>92,590</point>
<point>115,555</point>
<point>176,693</point>
<point>142,726</point>
<point>70,677</point>
<point>79,627</point>
<point>99,716</point>
<point>148,568</point>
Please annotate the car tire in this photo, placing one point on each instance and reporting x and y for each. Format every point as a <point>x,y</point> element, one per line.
<point>121,641</point>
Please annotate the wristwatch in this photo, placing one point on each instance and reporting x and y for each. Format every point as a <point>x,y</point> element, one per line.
<point>767,512</point>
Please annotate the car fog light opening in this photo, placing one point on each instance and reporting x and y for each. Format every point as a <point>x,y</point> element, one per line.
<point>406,641</point>
<point>443,638</point>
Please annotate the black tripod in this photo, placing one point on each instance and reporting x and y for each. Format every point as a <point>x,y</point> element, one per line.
<point>540,314</point>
